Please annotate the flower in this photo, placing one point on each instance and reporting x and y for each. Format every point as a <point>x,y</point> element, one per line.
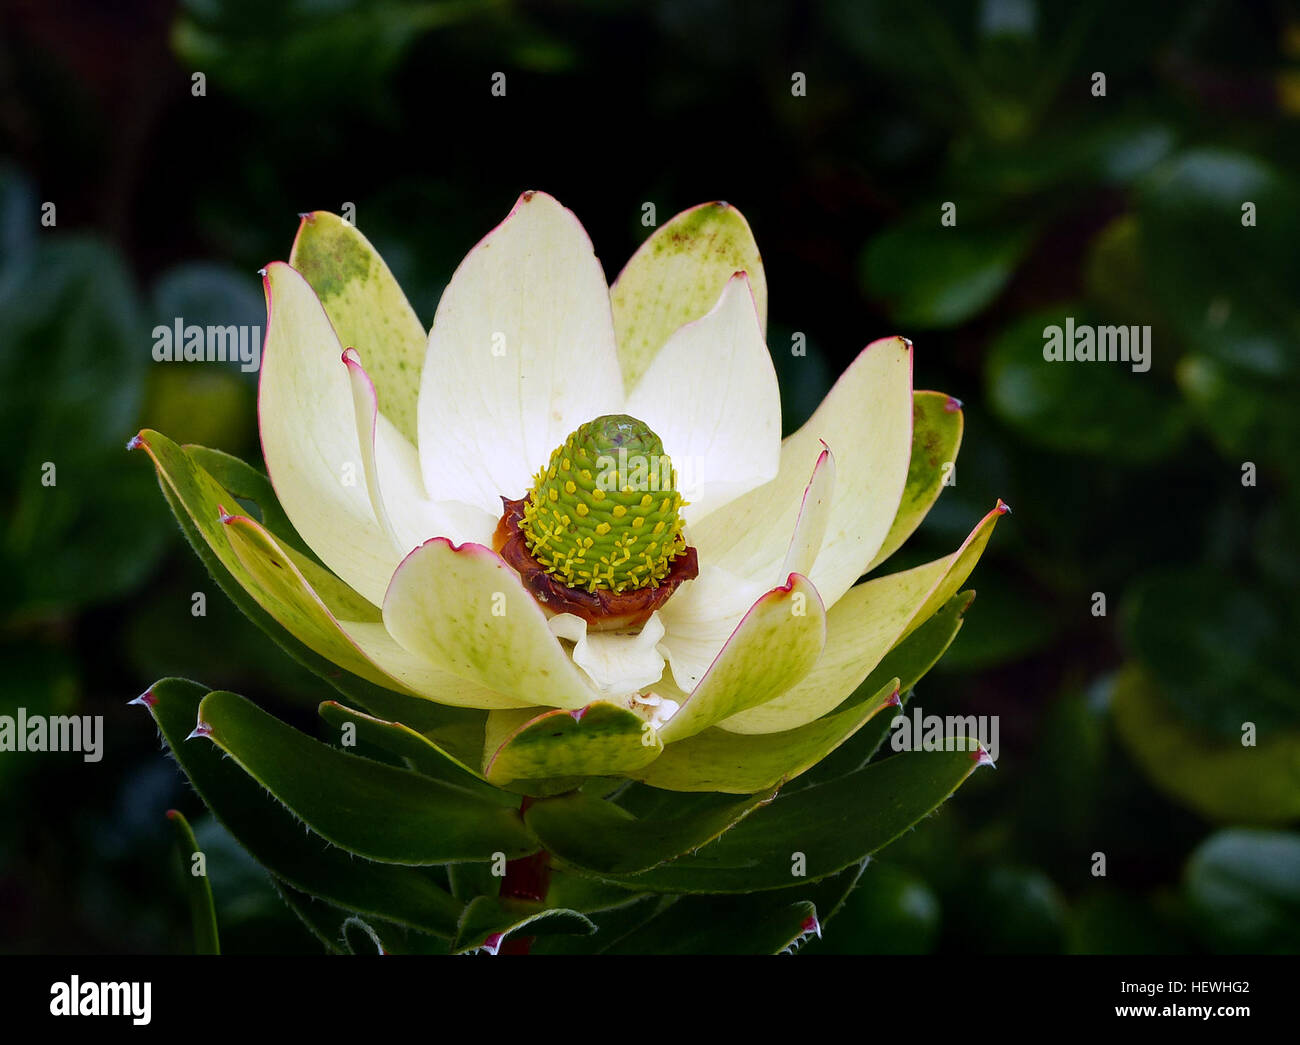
<point>570,505</point>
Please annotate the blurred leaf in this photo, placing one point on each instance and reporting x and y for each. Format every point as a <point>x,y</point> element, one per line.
<point>1215,775</point>
<point>1244,887</point>
<point>1098,408</point>
<point>19,217</point>
<point>72,359</point>
<point>198,890</point>
<point>1208,636</point>
<point>1248,417</point>
<point>1244,314</point>
<point>374,810</point>
<point>286,55</point>
<point>1105,921</point>
<point>890,912</point>
<point>935,277</point>
<point>1010,910</point>
<point>1010,624</point>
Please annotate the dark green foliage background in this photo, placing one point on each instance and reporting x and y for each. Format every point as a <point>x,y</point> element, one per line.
<point>1123,209</point>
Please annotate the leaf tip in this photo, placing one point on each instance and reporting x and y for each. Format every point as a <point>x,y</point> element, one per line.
<point>145,699</point>
<point>201,729</point>
<point>953,404</point>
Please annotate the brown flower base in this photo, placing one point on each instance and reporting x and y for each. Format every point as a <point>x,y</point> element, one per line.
<point>602,610</point>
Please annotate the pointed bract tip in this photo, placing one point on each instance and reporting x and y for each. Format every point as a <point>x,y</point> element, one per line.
<point>982,758</point>
<point>812,925</point>
<point>953,405</point>
<point>145,699</point>
<point>906,340</point>
<point>577,713</point>
<point>526,195</point>
<point>894,700</point>
<point>309,216</point>
<point>134,443</point>
<point>493,943</point>
<point>1003,508</point>
<point>202,729</point>
<point>172,814</point>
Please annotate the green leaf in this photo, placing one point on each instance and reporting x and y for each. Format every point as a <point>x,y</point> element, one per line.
<point>275,838</point>
<point>908,662</point>
<point>320,919</point>
<point>721,925</point>
<point>1244,888</point>
<point>488,920</point>
<point>373,810</point>
<point>739,763</point>
<point>585,894</point>
<point>248,484</point>
<point>598,740</point>
<point>833,824</point>
<point>937,423</point>
<point>610,925</point>
<point>359,937</point>
<point>423,752</point>
<point>197,501</point>
<point>598,836</point>
<point>198,889</point>
<point>380,701</point>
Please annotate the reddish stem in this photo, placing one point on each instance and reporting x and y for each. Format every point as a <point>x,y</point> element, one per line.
<point>527,878</point>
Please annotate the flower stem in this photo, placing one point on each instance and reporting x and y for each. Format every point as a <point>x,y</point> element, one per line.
<point>527,878</point>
